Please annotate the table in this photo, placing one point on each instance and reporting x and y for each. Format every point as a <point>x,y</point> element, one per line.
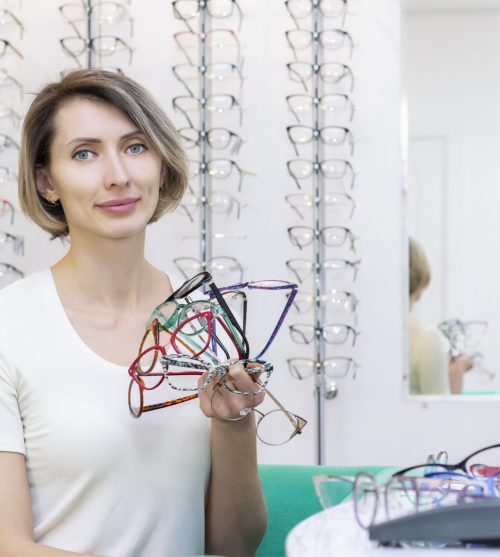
<point>334,532</point>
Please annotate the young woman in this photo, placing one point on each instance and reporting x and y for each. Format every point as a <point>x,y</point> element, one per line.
<point>78,474</point>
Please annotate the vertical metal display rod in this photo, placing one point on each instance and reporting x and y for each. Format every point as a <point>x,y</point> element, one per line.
<point>90,61</point>
<point>318,253</point>
<point>206,228</point>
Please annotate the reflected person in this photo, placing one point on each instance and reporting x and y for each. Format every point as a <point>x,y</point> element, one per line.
<point>432,370</point>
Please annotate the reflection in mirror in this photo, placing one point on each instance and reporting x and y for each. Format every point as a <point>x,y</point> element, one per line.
<point>452,94</point>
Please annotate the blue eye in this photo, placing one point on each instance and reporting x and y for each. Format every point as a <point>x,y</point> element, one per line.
<point>82,155</point>
<point>137,148</point>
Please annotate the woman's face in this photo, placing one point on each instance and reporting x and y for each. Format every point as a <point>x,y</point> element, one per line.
<point>102,169</point>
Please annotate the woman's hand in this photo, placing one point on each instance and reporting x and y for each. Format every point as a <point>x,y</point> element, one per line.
<point>217,401</point>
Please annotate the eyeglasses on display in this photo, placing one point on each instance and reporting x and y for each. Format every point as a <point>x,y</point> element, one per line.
<point>333,236</point>
<point>329,135</point>
<point>331,333</point>
<point>16,242</point>
<point>219,169</point>
<point>212,103</point>
<point>329,39</point>
<point>329,72</point>
<point>7,17</point>
<point>336,104</point>
<point>331,169</point>
<point>6,46</point>
<point>299,9</point>
<point>338,204</point>
<point>12,115</point>
<point>339,269</point>
<point>223,41</point>
<point>7,210</point>
<point>104,45</point>
<point>9,273</point>
<point>216,138</point>
<point>216,266</point>
<point>220,203</point>
<point>190,9</point>
<point>334,301</point>
<point>334,368</point>
<point>105,12</point>
<point>7,80</point>
<point>215,72</point>
<point>6,142</point>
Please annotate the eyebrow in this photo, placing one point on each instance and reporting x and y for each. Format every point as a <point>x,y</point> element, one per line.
<point>97,140</point>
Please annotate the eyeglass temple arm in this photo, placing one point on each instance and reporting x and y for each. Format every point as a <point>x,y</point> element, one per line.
<point>301,422</point>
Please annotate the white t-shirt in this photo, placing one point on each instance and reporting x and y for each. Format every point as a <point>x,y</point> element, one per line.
<point>100,480</point>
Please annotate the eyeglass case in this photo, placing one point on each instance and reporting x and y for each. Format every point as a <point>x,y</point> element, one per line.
<point>475,522</point>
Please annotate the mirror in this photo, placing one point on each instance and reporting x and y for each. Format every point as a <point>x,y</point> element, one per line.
<point>451,98</point>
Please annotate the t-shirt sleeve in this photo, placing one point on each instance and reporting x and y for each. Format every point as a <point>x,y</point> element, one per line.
<point>11,427</point>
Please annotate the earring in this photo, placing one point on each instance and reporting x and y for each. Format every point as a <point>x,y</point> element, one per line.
<point>56,202</point>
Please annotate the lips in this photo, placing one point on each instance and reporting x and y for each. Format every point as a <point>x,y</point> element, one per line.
<point>118,202</point>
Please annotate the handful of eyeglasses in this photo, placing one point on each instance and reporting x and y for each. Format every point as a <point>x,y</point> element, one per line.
<point>430,485</point>
<point>191,343</point>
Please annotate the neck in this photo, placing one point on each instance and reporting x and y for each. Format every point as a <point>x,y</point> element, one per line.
<point>106,272</point>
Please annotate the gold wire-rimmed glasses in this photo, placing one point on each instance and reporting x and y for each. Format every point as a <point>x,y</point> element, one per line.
<point>275,427</point>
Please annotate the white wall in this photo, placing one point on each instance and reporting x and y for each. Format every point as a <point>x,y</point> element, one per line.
<point>369,422</point>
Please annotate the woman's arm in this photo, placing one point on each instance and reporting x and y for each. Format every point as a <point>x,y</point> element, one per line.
<point>16,523</point>
<point>236,516</point>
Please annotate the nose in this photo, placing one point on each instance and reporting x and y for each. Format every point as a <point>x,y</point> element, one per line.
<point>116,174</point>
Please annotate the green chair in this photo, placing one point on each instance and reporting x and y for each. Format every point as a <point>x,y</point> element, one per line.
<point>290,498</point>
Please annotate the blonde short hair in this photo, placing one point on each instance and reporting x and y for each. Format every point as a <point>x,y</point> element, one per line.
<point>420,271</point>
<point>120,92</point>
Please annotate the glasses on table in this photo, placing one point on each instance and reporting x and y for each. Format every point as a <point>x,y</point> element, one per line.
<point>104,45</point>
<point>219,169</point>
<point>335,333</point>
<point>275,427</point>
<point>338,269</point>
<point>6,46</point>
<point>216,138</point>
<point>190,9</point>
<point>104,12</point>
<point>399,496</point>
<point>213,103</point>
<point>338,367</point>
<point>333,236</point>
<point>217,71</point>
<point>334,169</point>
<point>7,210</point>
<point>7,17</point>
<point>337,204</point>
<point>336,104</point>
<point>329,72</point>
<point>299,9</point>
<point>6,142</point>
<point>484,462</point>
<point>224,41</point>
<point>328,135</point>
<point>16,242</point>
<point>217,266</point>
<point>329,39</point>
<point>220,203</point>
<point>9,273</point>
<point>334,301</point>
